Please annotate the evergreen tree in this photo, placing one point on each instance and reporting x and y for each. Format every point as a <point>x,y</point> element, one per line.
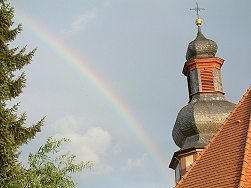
<point>13,131</point>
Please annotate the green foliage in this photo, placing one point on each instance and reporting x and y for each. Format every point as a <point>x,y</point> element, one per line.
<point>50,169</point>
<point>44,171</point>
<point>13,132</point>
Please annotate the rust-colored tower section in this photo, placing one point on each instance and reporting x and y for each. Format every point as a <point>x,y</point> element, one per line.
<point>203,75</point>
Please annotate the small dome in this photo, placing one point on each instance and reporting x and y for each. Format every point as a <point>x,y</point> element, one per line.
<point>201,47</point>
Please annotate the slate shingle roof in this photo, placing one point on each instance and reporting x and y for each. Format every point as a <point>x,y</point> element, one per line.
<point>226,159</point>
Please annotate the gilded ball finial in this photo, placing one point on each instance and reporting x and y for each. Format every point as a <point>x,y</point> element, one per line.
<point>198,21</point>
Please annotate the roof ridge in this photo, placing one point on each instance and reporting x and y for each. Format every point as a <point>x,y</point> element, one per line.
<point>178,184</point>
<point>246,153</point>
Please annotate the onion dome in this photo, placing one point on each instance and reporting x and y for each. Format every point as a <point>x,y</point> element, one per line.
<point>201,47</point>
<point>199,119</point>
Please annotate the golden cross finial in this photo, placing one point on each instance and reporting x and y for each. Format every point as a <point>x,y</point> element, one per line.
<point>197,9</point>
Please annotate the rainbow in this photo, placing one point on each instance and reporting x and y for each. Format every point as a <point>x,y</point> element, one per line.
<point>101,87</point>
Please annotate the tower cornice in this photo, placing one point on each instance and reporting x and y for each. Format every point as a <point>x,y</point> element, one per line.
<point>202,63</point>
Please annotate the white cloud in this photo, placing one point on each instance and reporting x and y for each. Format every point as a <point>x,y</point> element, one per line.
<point>102,169</point>
<point>135,163</point>
<point>80,23</point>
<point>91,144</point>
<point>117,149</point>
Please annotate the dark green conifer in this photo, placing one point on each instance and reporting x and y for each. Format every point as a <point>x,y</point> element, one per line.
<point>13,131</point>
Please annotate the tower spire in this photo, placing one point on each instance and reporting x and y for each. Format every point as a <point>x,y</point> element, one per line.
<point>207,108</point>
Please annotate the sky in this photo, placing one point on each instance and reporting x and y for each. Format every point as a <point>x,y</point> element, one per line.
<point>107,74</point>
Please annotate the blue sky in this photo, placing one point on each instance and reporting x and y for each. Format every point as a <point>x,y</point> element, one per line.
<point>137,48</point>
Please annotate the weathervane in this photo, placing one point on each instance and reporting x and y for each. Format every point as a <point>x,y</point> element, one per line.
<point>197,9</point>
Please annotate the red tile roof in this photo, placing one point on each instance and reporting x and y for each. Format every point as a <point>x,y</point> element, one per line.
<point>226,160</point>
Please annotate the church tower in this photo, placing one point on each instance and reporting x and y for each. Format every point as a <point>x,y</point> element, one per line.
<point>207,108</point>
